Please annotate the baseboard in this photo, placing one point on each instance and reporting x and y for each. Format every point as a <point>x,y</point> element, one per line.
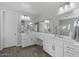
<point>31,46</point>
<point>21,46</point>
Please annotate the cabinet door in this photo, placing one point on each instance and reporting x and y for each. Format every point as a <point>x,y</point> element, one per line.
<point>47,46</point>
<point>51,47</point>
<point>71,49</point>
<point>58,47</point>
<point>27,39</point>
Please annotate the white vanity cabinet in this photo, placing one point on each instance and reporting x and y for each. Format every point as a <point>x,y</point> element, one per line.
<point>58,42</point>
<point>45,46</point>
<point>48,46</point>
<point>71,49</point>
<point>27,39</point>
<point>53,46</point>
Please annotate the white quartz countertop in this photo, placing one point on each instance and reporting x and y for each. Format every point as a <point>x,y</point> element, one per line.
<point>44,36</point>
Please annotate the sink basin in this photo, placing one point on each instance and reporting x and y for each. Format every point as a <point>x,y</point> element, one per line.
<point>59,36</point>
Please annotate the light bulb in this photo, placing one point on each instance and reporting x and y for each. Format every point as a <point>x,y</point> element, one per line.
<point>61,8</point>
<point>66,6</point>
<point>27,18</point>
<point>75,23</point>
<point>22,17</point>
<point>71,5</point>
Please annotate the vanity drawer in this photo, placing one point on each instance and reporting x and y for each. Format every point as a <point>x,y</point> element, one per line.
<point>67,54</point>
<point>71,46</point>
<point>70,53</point>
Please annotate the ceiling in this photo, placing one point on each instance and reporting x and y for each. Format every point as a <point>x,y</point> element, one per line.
<point>39,8</point>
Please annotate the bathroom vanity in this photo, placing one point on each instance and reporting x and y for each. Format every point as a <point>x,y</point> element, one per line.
<point>56,46</point>
<point>28,39</point>
<point>71,48</point>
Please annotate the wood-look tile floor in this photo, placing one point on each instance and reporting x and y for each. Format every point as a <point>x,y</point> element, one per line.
<point>32,51</point>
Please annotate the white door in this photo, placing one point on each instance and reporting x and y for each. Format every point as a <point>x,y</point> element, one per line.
<point>10,26</point>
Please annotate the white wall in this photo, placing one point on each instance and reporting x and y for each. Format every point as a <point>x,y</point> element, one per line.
<point>54,17</point>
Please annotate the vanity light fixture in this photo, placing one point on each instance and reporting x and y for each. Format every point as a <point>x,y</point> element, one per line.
<point>27,18</point>
<point>66,6</point>
<point>71,4</point>
<point>24,17</point>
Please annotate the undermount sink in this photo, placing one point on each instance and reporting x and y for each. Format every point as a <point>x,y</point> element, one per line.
<point>59,36</point>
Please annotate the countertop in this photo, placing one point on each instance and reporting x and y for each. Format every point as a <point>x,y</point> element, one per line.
<point>43,35</point>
